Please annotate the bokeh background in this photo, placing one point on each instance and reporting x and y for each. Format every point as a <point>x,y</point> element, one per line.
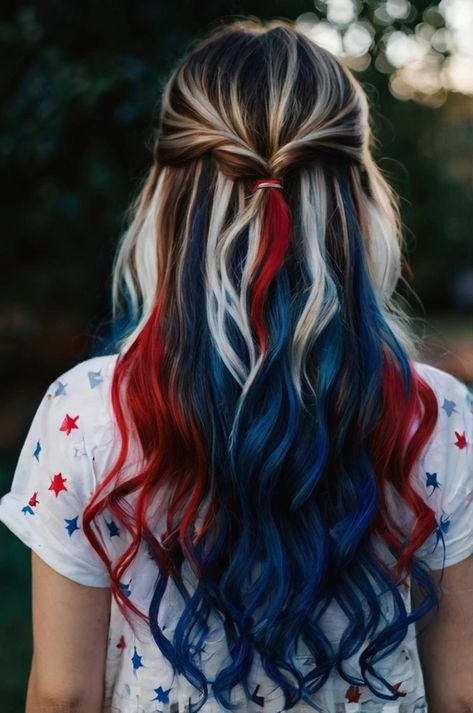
<point>80,94</point>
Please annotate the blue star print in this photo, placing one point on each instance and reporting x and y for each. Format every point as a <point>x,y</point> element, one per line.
<point>112,528</point>
<point>431,481</point>
<point>95,378</point>
<point>27,509</point>
<point>136,661</point>
<point>72,525</point>
<point>37,451</point>
<point>60,389</point>
<point>161,696</point>
<point>449,407</point>
<point>443,525</point>
<point>125,588</point>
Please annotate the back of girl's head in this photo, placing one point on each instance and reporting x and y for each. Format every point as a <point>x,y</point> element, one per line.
<point>265,367</point>
<point>256,101</point>
<point>264,101</point>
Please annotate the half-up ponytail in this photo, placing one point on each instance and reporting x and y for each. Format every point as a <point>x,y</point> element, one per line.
<point>267,372</point>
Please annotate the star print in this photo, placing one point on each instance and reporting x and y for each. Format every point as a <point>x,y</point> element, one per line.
<point>461,440</point>
<point>196,649</point>
<point>125,588</point>
<point>72,525</point>
<point>37,451</point>
<point>79,451</point>
<point>259,700</point>
<point>161,695</point>
<point>449,407</point>
<point>60,389</point>
<point>431,481</point>
<point>121,644</point>
<point>57,483</point>
<point>398,686</point>
<point>443,525</point>
<point>69,424</point>
<point>34,499</point>
<point>353,694</point>
<point>95,378</point>
<point>136,661</point>
<point>27,509</point>
<point>112,528</point>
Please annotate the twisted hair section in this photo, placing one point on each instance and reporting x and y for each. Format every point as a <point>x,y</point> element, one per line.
<point>266,371</point>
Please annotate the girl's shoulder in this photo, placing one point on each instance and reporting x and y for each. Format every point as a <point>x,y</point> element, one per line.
<point>69,446</point>
<point>86,387</point>
<point>454,402</point>
<point>439,379</point>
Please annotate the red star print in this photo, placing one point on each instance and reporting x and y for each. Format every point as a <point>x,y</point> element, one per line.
<point>57,483</point>
<point>461,439</point>
<point>353,694</point>
<point>69,424</point>
<point>398,685</point>
<point>33,500</point>
<point>121,644</point>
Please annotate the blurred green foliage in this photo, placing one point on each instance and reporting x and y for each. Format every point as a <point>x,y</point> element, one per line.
<point>81,83</point>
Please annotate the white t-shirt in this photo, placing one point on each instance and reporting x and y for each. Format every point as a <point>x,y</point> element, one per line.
<point>72,443</point>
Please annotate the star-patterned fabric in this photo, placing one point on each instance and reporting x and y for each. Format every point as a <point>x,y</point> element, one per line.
<point>71,445</point>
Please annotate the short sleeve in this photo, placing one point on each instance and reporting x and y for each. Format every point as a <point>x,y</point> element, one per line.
<point>445,475</point>
<point>53,481</point>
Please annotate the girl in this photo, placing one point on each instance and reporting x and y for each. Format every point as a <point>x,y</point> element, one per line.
<point>246,503</point>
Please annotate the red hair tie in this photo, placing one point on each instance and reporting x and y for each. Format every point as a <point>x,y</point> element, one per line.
<point>267,183</point>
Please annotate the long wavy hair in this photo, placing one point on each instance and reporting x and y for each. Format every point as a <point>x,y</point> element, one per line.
<point>265,367</point>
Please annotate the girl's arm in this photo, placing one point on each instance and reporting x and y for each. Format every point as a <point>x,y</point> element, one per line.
<point>446,646</point>
<point>70,632</point>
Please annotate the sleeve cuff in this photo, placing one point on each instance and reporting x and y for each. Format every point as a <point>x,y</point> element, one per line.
<point>62,561</point>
